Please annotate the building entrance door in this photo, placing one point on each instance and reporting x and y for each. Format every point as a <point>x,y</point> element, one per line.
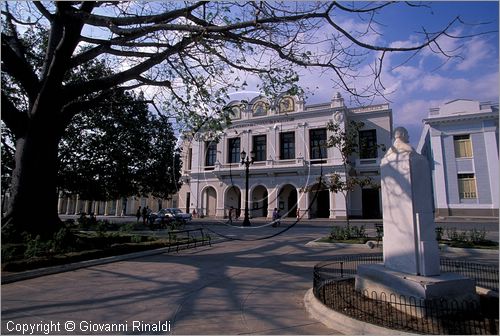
<point>371,203</point>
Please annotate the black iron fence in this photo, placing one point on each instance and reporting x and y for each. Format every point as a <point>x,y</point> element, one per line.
<point>334,286</point>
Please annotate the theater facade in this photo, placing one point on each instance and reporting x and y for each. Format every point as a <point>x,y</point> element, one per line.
<point>288,140</point>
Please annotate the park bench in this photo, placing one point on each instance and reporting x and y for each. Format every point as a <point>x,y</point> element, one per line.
<point>185,238</point>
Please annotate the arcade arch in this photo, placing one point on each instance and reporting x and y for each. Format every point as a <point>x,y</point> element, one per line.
<point>209,201</point>
<point>287,200</point>
<point>260,201</point>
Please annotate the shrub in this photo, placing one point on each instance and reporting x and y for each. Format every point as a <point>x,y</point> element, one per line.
<point>63,239</point>
<point>101,227</point>
<point>36,246</point>
<point>128,227</point>
<point>348,232</point>
<point>477,236</point>
<point>136,239</point>
<point>455,235</point>
<point>83,221</point>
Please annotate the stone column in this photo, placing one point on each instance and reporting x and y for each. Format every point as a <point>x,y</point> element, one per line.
<point>106,208</point>
<point>305,205</point>
<point>68,202</point>
<point>77,204</point>
<point>492,159</point>
<point>220,210</point>
<point>273,196</point>
<point>60,203</point>
<point>339,210</point>
<point>332,204</point>
<point>118,208</point>
<point>439,179</point>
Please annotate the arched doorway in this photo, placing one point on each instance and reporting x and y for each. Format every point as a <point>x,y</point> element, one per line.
<point>259,202</point>
<point>288,200</point>
<point>210,201</point>
<point>319,199</point>
<point>233,199</point>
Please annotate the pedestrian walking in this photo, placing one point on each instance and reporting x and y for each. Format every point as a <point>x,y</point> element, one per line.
<point>138,214</point>
<point>276,217</point>
<point>144,214</point>
<point>231,213</point>
<point>298,214</point>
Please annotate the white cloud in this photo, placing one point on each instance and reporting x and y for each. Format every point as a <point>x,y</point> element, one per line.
<point>475,52</point>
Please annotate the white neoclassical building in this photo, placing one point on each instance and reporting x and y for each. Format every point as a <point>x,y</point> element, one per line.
<point>288,140</point>
<point>460,140</point>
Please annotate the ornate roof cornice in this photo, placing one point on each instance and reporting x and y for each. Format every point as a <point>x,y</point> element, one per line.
<point>461,117</point>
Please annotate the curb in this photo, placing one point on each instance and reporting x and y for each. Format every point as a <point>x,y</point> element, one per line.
<point>343,323</point>
<point>9,278</point>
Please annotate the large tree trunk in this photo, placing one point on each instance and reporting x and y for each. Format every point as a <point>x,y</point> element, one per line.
<point>33,203</point>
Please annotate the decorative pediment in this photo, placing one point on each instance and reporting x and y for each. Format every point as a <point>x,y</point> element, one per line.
<point>260,106</point>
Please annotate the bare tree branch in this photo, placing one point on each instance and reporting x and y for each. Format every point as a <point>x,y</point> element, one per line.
<point>14,63</point>
<point>43,10</point>
<point>75,90</point>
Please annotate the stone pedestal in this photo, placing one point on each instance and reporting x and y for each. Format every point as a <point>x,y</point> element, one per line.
<point>409,293</point>
<point>409,241</point>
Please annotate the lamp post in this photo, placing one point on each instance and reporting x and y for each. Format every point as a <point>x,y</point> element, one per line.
<point>247,161</point>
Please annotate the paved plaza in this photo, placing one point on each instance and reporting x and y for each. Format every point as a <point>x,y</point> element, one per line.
<point>234,287</point>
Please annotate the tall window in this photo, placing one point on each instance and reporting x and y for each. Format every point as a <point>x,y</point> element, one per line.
<point>259,147</point>
<point>234,150</point>
<point>368,144</point>
<point>463,146</point>
<point>317,143</point>
<point>467,186</point>
<point>211,153</point>
<point>287,145</point>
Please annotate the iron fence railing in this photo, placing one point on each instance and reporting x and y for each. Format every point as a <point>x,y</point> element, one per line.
<point>333,285</point>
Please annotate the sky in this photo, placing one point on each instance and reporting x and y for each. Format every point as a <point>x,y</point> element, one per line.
<point>426,81</point>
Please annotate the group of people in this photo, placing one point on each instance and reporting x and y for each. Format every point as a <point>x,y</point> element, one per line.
<point>144,213</point>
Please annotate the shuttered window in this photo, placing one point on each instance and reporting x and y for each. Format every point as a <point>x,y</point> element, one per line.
<point>467,186</point>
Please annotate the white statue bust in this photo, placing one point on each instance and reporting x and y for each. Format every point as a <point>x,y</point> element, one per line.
<point>401,141</point>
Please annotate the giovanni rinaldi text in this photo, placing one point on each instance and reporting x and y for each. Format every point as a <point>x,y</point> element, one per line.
<point>51,327</point>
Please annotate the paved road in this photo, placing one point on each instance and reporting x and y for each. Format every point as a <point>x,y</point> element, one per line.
<point>233,287</point>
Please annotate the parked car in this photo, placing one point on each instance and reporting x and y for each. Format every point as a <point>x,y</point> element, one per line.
<point>160,219</point>
<point>177,214</point>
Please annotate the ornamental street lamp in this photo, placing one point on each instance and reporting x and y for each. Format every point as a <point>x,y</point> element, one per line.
<point>247,161</point>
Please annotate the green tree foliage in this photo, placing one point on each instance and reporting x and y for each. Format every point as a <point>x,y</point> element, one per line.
<point>119,149</point>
